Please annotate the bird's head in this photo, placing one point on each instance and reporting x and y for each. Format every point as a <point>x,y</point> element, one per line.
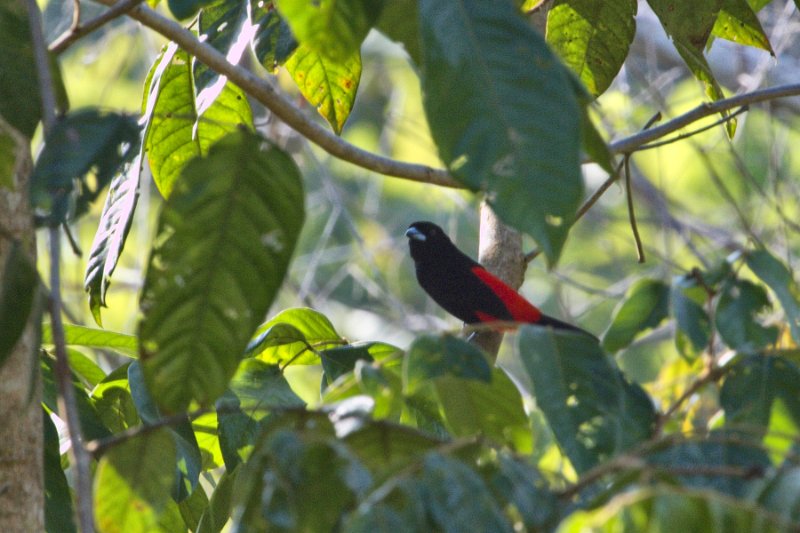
<point>426,239</point>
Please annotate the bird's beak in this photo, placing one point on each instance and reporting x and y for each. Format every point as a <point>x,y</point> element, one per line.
<point>414,233</point>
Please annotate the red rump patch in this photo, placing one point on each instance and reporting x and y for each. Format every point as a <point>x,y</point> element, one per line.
<point>520,308</point>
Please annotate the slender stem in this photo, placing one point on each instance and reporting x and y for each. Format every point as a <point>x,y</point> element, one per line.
<point>631,213</point>
<point>67,404</point>
<point>77,30</point>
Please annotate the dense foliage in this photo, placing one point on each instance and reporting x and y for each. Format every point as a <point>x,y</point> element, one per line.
<point>684,417</point>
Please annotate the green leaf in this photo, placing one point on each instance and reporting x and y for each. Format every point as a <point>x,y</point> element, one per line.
<point>218,512</point>
<point>516,483</point>
<point>329,85</point>
<point>399,21</point>
<point>430,357</point>
<point>780,494</point>
<point>504,115</point>
<point>193,507</point>
<point>738,305</point>
<point>493,409</point>
<point>112,230</point>
<point>780,280</point>
<point>338,361</point>
<point>645,305</point>
<point>85,368</point>
<point>686,302</point>
<point>738,22</point>
<point>133,483</point>
<point>176,132</point>
<point>183,9</point>
<point>273,41</point>
<point>294,336</point>
<point>255,389</point>
<point>457,498</point>
<point>751,388</point>
<point>593,410</point>
<point>332,28</point>
<point>189,462</point>
<point>17,296</point>
<point>92,426</point>
<point>113,401</point>
<point>388,449</point>
<point>103,339</point>
<point>222,250</point>
<point>58,511</point>
<point>592,37</point>
<point>82,142</point>
<point>220,26</point>
<point>689,24</point>
<point>20,101</point>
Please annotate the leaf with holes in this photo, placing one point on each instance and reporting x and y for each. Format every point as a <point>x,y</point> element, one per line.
<point>504,114</point>
<point>223,246</point>
<point>593,410</point>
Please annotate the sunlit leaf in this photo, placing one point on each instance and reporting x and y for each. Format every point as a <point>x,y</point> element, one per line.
<point>333,28</point>
<point>738,22</point>
<point>593,410</point>
<point>221,253</point>
<point>294,336</point>
<point>112,230</point>
<point>592,37</point>
<point>113,401</point>
<point>220,26</point>
<point>175,130</point>
<point>503,114</point>
<point>273,41</point>
<point>645,305</point>
<point>133,483</point>
<point>329,85</point>
<point>104,339</point>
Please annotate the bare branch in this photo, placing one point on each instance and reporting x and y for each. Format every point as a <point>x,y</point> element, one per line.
<point>78,30</point>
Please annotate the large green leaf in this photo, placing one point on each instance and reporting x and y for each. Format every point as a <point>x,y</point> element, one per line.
<point>83,142</point>
<point>430,357</point>
<point>218,512</point>
<point>224,242</point>
<point>645,305</point>
<point>686,302</point>
<point>739,304</point>
<point>493,409</point>
<point>780,280</point>
<point>112,230</point>
<point>592,409</point>
<point>175,131</point>
<point>332,28</point>
<point>17,297</point>
<point>329,85</point>
<point>592,37</point>
<point>752,387</point>
<point>133,483</point>
<point>458,499</point>
<point>504,115</point>
<point>113,401</point>
<point>273,41</point>
<point>294,336</point>
<point>738,22</point>
<point>399,22</point>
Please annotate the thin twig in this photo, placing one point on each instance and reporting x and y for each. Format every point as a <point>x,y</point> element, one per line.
<point>631,213</point>
<point>67,404</point>
<point>76,14</point>
<point>723,120</point>
<point>77,30</point>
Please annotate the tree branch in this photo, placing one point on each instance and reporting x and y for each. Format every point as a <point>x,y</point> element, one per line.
<point>78,30</point>
<point>67,404</point>
<point>283,108</point>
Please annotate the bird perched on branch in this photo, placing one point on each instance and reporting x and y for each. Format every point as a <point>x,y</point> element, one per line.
<point>463,287</point>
